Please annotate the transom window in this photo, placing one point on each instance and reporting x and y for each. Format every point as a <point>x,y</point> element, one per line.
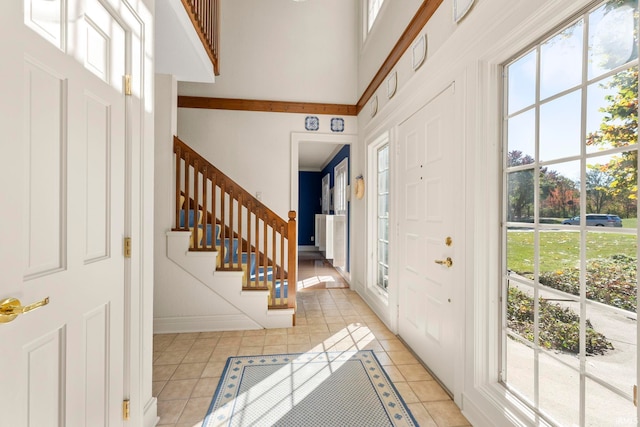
<point>569,288</point>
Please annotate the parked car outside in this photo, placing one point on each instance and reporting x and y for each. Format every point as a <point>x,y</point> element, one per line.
<point>597,220</point>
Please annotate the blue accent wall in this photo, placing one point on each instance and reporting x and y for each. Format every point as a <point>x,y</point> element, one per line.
<point>309,204</point>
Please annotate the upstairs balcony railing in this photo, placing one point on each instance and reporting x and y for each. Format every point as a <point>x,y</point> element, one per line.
<point>205,16</point>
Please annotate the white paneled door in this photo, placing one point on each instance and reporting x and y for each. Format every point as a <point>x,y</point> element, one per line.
<point>428,246</point>
<point>63,213</point>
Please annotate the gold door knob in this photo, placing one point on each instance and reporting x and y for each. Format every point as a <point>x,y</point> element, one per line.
<point>10,308</point>
<point>448,262</point>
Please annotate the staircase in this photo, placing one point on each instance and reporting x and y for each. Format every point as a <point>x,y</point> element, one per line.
<point>231,242</point>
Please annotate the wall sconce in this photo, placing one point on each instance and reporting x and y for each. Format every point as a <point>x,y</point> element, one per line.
<point>359,187</point>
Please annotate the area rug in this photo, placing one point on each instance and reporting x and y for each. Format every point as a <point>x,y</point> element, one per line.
<point>327,389</point>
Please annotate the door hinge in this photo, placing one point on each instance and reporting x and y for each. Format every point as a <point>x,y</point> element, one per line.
<point>127,247</point>
<point>127,84</point>
<point>125,409</point>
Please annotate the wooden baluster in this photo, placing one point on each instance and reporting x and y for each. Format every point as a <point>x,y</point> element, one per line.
<point>196,208</point>
<point>292,243</point>
<point>177,205</point>
<point>239,233</point>
<point>281,264</point>
<point>205,210</point>
<point>257,248</point>
<point>231,232</point>
<point>223,231</point>
<point>214,217</point>
<point>274,274</point>
<point>187,197</point>
<point>265,249</point>
<point>249,216</point>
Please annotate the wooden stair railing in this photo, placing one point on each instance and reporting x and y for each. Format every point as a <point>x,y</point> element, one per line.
<point>205,17</point>
<point>248,236</point>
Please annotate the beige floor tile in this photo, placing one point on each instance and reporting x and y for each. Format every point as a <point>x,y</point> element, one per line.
<point>205,344</point>
<point>275,340</point>
<point>163,372</point>
<point>405,391</point>
<point>446,414</point>
<point>205,387</point>
<point>156,387</point>
<point>213,334</point>
<point>255,333</point>
<point>179,345</point>
<point>275,349</point>
<point>252,341</point>
<point>421,415</point>
<point>392,345</point>
<point>177,389</point>
<point>394,374</point>
<point>170,410</point>
<point>327,320</point>
<point>188,371</point>
<point>197,355</point>
<point>299,348</point>
<point>213,369</point>
<point>195,410</point>
<point>170,357</point>
<point>428,391</point>
<point>250,351</point>
<point>415,372</point>
<point>402,357</point>
<point>227,334</point>
<point>298,339</point>
<point>229,342</point>
<point>188,336</point>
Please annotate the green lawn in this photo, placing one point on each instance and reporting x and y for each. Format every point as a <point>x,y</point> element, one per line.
<point>561,249</point>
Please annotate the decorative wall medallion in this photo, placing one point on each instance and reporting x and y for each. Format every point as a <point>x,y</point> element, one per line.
<point>311,123</point>
<point>337,124</point>
<point>460,8</point>
<point>374,105</point>
<point>419,51</point>
<point>392,83</point>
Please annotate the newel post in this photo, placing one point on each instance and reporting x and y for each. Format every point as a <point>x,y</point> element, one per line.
<point>292,261</point>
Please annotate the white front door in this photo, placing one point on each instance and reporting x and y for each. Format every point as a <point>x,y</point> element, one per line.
<point>429,184</point>
<point>62,213</point>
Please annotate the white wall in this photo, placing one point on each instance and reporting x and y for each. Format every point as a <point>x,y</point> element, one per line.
<point>469,55</point>
<point>254,148</point>
<point>286,50</point>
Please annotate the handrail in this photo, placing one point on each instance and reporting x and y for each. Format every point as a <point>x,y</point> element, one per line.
<point>205,17</point>
<point>225,217</point>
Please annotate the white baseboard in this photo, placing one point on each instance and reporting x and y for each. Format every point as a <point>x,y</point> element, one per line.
<point>165,325</point>
<point>150,416</point>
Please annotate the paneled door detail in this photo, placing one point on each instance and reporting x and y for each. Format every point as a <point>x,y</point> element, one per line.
<point>63,363</point>
<point>427,249</point>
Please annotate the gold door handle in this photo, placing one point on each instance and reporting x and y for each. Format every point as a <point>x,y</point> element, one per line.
<point>448,262</point>
<point>10,308</point>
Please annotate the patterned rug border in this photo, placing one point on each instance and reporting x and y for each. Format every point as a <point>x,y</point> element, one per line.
<point>330,356</point>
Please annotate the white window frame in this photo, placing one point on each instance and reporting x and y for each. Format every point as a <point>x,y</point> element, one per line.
<point>340,174</point>
<point>501,354</point>
<point>326,194</point>
<point>372,203</point>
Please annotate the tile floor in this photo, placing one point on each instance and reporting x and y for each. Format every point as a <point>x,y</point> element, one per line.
<point>187,366</point>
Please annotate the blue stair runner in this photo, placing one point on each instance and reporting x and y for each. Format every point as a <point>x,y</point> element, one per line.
<point>234,250</point>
